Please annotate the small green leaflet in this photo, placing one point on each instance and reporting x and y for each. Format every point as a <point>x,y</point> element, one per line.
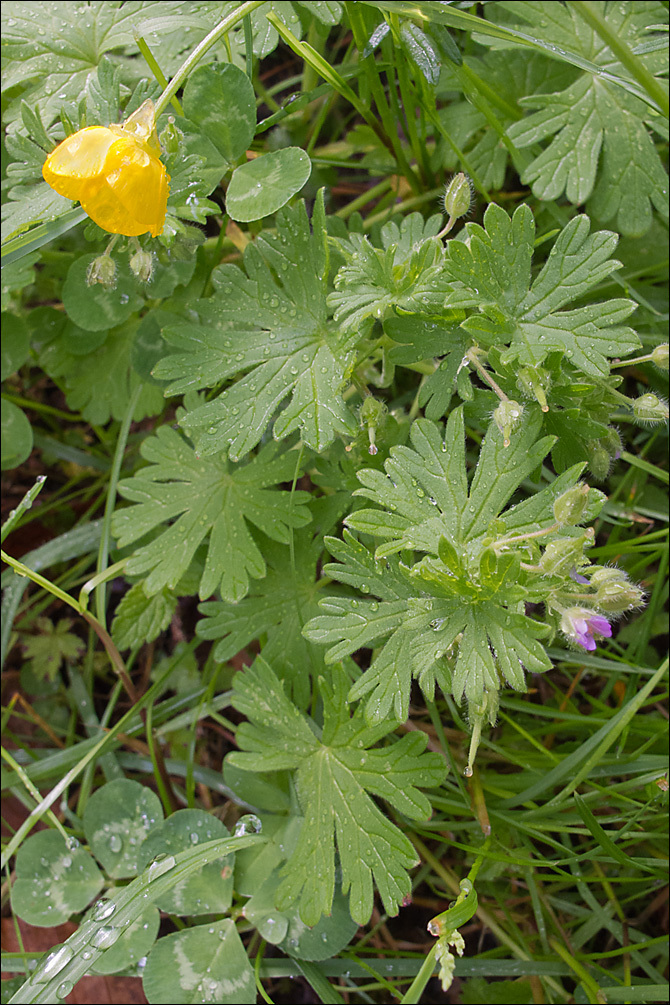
<point>272,322</point>
<point>336,774</point>
<point>601,147</point>
<point>494,268</point>
<point>406,272</point>
<point>190,499</point>
<point>276,610</point>
<point>455,617</point>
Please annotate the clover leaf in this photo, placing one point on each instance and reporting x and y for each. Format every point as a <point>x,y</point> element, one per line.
<point>601,147</point>
<point>273,323</point>
<point>336,774</point>
<point>189,499</point>
<point>494,268</point>
<point>455,617</point>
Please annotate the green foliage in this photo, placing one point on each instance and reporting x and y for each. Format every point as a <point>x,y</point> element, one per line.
<point>276,610</point>
<point>303,290</point>
<point>273,323</point>
<point>212,500</point>
<point>493,271</point>
<point>51,645</point>
<point>53,880</point>
<point>406,272</point>
<point>209,960</point>
<point>455,617</point>
<point>602,148</point>
<point>334,774</point>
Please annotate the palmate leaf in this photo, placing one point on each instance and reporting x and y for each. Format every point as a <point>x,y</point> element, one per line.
<point>336,774</point>
<point>276,610</point>
<point>406,272</point>
<point>601,147</point>
<point>494,268</point>
<point>455,617</point>
<point>512,74</point>
<point>207,499</point>
<point>272,322</point>
<point>52,48</point>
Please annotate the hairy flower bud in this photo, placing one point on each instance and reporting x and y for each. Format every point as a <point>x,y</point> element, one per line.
<point>660,356</point>
<point>372,414</point>
<point>571,506</point>
<point>458,196</point>
<point>562,555</point>
<point>142,265</point>
<point>615,593</point>
<point>649,408</point>
<point>102,270</point>
<point>506,415</point>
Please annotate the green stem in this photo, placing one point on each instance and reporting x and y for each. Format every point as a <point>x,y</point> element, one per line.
<point>208,41</point>
<point>589,13</point>
<point>26,503</point>
<point>150,60</point>
<point>34,792</point>
<point>110,502</point>
<point>416,988</point>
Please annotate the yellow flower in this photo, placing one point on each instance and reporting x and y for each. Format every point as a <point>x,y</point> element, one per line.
<point>116,174</point>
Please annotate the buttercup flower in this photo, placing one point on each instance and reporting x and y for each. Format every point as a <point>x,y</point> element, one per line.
<point>116,174</point>
<point>583,626</point>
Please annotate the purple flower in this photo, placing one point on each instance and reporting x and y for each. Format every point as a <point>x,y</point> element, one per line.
<point>583,627</point>
<point>577,577</point>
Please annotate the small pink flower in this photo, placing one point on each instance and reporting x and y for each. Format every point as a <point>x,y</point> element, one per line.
<point>583,627</point>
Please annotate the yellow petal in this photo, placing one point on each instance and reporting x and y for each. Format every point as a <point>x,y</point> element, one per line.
<point>78,159</point>
<point>131,197</point>
<point>115,173</point>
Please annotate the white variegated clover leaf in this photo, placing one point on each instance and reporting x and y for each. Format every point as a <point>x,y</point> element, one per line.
<point>492,270</point>
<point>190,499</point>
<point>337,771</point>
<point>444,593</point>
<point>269,328</point>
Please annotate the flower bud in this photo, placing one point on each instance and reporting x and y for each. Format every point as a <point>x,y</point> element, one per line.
<point>600,460</point>
<point>372,414</point>
<point>142,265</point>
<point>171,137</point>
<point>660,356</point>
<point>534,382</point>
<point>506,415</point>
<point>562,555</point>
<point>649,408</point>
<point>458,196</point>
<point>102,270</point>
<point>570,507</point>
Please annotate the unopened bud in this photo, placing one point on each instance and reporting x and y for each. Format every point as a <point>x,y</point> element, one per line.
<point>171,137</point>
<point>102,270</point>
<point>570,507</point>
<point>506,416</point>
<point>615,598</point>
<point>535,381</point>
<point>660,356</point>
<point>142,265</point>
<point>458,196</point>
<point>372,414</point>
<point>600,460</point>
<point>562,555</point>
<point>649,408</point>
